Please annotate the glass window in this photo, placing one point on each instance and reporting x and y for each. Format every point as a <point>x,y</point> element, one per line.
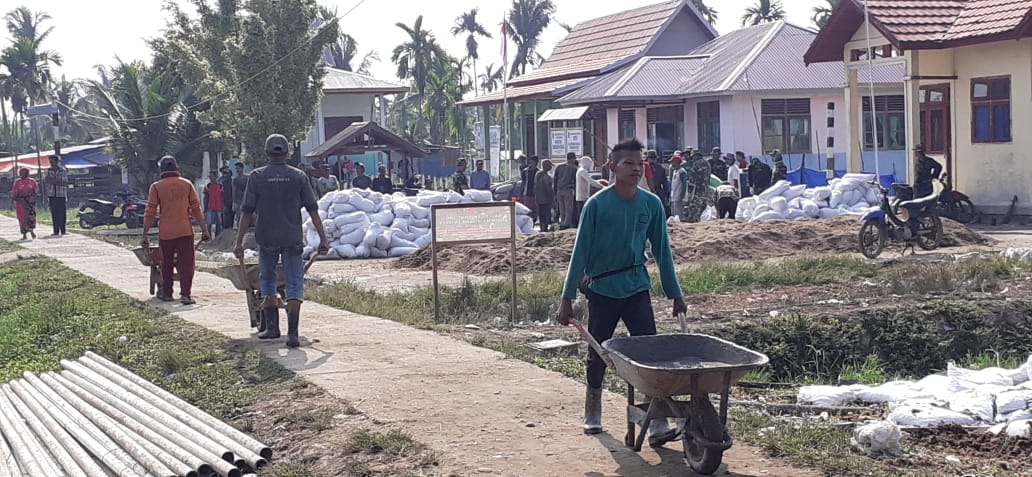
<point>786,125</point>
<point>891,121</point>
<point>990,108</point>
<point>627,126</point>
<point>709,125</point>
<point>665,129</point>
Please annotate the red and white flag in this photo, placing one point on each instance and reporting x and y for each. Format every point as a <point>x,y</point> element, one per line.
<point>505,43</point>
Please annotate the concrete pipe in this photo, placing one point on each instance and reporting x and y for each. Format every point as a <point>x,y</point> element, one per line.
<point>21,457</point>
<point>32,455</point>
<point>170,420</point>
<point>129,414</point>
<point>8,463</point>
<point>203,426</point>
<point>54,442</point>
<point>38,405</point>
<point>116,459</point>
<point>249,442</point>
<point>145,453</point>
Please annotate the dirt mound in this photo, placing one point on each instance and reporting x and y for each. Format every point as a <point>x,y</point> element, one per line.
<point>721,240</point>
<point>226,242</point>
<point>968,443</point>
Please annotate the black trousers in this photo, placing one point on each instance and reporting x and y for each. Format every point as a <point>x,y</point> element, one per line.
<point>726,208</point>
<point>59,214</point>
<point>545,217</point>
<point>228,216</point>
<point>604,313</point>
<point>579,207</point>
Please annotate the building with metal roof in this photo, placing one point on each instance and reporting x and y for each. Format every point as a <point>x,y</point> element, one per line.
<point>968,70</point>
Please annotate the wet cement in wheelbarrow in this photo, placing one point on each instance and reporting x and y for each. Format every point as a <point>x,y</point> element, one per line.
<point>687,362</point>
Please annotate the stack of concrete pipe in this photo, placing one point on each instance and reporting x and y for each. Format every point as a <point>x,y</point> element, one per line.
<point>96,419</point>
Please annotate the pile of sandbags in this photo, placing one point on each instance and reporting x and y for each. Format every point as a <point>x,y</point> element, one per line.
<point>361,223</point>
<point>852,194</point>
<point>960,397</point>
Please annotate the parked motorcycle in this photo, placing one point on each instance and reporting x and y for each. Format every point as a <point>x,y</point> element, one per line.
<point>954,204</point>
<point>98,212</point>
<point>904,221</point>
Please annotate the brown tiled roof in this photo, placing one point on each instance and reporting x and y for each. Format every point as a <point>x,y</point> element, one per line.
<point>924,24</point>
<point>596,44</point>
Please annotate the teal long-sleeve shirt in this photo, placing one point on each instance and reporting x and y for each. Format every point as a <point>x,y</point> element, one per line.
<point>611,236</point>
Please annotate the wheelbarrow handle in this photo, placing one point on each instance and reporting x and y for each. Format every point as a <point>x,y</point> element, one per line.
<point>682,319</point>
<point>592,341</point>
<point>310,262</point>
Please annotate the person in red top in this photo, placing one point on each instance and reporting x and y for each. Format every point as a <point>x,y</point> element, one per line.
<point>213,204</point>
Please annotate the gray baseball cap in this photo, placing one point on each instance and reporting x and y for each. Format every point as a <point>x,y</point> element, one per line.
<point>276,144</point>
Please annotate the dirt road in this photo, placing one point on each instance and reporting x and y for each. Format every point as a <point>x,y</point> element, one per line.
<point>484,414</point>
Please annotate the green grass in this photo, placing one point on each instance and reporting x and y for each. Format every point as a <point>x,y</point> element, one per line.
<point>7,247</point>
<point>393,443</point>
<point>992,359</point>
<point>869,372</point>
<point>42,217</point>
<point>715,277</point>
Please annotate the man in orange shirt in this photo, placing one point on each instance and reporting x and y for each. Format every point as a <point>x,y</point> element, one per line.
<point>177,199</point>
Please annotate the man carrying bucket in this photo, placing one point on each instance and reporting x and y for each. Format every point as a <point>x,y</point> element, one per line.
<point>608,266</point>
<point>277,192</point>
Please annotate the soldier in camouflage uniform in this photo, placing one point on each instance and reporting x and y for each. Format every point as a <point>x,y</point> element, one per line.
<point>459,180</point>
<point>698,192</point>
<point>780,169</point>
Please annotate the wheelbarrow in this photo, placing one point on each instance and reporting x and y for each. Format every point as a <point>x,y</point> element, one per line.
<point>664,366</point>
<point>151,257</point>
<point>246,278</point>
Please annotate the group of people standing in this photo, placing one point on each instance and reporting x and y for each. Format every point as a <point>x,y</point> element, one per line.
<point>27,191</point>
<point>223,196</point>
<point>557,197</point>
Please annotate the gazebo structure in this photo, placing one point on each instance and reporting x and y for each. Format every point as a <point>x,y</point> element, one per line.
<point>362,138</point>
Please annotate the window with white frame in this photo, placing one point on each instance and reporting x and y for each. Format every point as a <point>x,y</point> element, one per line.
<point>786,125</point>
<point>889,111</point>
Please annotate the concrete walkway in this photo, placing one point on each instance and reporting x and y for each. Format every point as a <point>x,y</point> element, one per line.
<point>483,413</point>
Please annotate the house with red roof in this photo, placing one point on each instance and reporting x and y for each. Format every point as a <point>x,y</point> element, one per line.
<point>592,49</point>
<point>968,82</point>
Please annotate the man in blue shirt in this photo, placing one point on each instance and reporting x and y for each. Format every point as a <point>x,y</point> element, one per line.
<point>480,179</point>
<point>608,264</point>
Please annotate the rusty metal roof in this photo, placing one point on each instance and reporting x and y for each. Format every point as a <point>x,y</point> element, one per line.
<point>924,24</point>
<point>340,81</point>
<point>609,41</point>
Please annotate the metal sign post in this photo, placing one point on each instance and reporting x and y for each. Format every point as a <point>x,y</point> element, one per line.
<point>467,224</point>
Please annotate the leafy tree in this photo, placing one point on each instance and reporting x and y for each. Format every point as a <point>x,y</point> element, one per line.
<point>467,23</point>
<point>77,125</point>
<point>416,55</point>
<point>492,78</point>
<point>343,52</point>
<point>765,11</point>
<point>822,13</point>
<point>28,78</point>
<point>528,19</point>
<point>258,63</point>
<point>709,13</point>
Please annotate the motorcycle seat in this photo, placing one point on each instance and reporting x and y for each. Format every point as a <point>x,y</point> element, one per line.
<point>102,202</point>
<point>924,201</point>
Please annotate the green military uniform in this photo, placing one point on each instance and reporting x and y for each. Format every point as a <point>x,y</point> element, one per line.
<point>460,182</point>
<point>698,193</point>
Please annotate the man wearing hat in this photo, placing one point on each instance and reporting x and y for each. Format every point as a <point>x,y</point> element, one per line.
<point>717,165</point>
<point>459,180</point>
<point>759,176</point>
<point>176,199</point>
<point>327,182</point>
<point>780,169</point>
<point>277,192</point>
<point>926,170</point>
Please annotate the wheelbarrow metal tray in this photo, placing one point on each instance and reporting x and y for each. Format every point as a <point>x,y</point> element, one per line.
<point>663,365</point>
<point>146,256</point>
<point>251,280</point>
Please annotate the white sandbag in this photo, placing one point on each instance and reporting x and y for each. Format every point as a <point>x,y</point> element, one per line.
<point>402,251</point>
<point>420,223</point>
<point>398,196</point>
<point>832,184</point>
<point>776,190</point>
<point>760,209</point>
<point>331,255</point>
<point>453,197</point>
<point>1020,429</point>
<point>361,251</point>
<point>349,218</point>
<point>828,396</point>
<point>383,241</point>
<point>466,199</point>
<point>779,205</point>
<point>1010,401</point>
<point>345,251</point>
<point>307,252</point>
<point>769,215</point>
<point>364,205</point>
<point>893,391</point>
<point>807,194</point>
<point>406,236</point>
<point>522,209</point>
<point>1024,414</point>
<point>341,208</point>
<point>423,240</point>
<point>479,195</point>
<point>402,209</point>
<point>430,200</point>
<point>976,404</point>
<point>351,228</point>
<point>377,253</point>
<point>398,241</point>
<point>400,224</point>
<point>794,191</point>
<point>985,376</point>
<point>361,192</point>
<point>383,218</point>
<point>354,237</point>
<point>312,237</point>
<point>924,415</point>
<point>811,209</point>
<point>523,221</point>
<point>341,196</point>
<point>419,212</point>
<point>375,197</point>
<point>863,178</point>
<point>325,202</point>
<point>846,185</point>
<point>748,203</point>
<point>872,197</point>
<point>829,213</point>
<point>369,239</point>
<point>879,438</point>
<point>835,200</point>
<point>934,385</point>
<point>796,203</point>
<point>323,215</point>
<point>796,214</point>
<point>822,193</point>
<point>709,215</point>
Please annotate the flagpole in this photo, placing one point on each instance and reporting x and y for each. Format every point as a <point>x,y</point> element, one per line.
<point>505,91</point>
<point>870,85</point>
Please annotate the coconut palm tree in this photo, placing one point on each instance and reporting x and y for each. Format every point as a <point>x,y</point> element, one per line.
<point>467,23</point>
<point>709,13</point>
<point>491,79</point>
<point>76,106</point>
<point>527,21</point>
<point>23,23</point>
<point>416,55</point>
<point>765,11</point>
<point>822,13</point>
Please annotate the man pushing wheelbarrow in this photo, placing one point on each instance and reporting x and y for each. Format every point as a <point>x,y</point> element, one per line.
<point>277,192</point>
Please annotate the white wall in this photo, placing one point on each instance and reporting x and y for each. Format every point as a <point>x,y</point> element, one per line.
<point>335,105</point>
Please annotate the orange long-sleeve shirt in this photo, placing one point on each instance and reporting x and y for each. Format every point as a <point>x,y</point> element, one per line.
<point>177,200</point>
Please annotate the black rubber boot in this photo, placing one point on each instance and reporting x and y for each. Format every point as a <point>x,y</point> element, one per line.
<point>271,324</point>
<point>593,411</point>
<point>292,321</point>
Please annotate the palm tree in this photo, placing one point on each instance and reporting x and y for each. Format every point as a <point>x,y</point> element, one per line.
<point>415,56</point>
<point>492,78</point>
<point>75,104</point>
<point>765,11</point>
<point>28,76</point>
<point>467,23</point>
<point>344,53</point>
<point>527,21</point>
<point>822,13</point>
<point>565,26</point>
<point>23,23</point>
<point>709,13</point>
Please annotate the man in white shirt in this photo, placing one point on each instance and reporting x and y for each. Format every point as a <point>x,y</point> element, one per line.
<point>583,187</point>
<point>734,174</point>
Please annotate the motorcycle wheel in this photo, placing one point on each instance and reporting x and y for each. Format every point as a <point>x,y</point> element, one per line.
<point>930,235</point>
<point>84,223</point>
<point>963,211</point>
<point>133,221</point>
<point>872,238</point>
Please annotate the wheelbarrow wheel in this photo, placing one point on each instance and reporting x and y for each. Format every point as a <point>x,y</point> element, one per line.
<point>705,421</point>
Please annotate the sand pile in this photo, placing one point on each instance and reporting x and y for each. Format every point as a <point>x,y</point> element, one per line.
<point>226,242</point>
<point>720,240</point>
